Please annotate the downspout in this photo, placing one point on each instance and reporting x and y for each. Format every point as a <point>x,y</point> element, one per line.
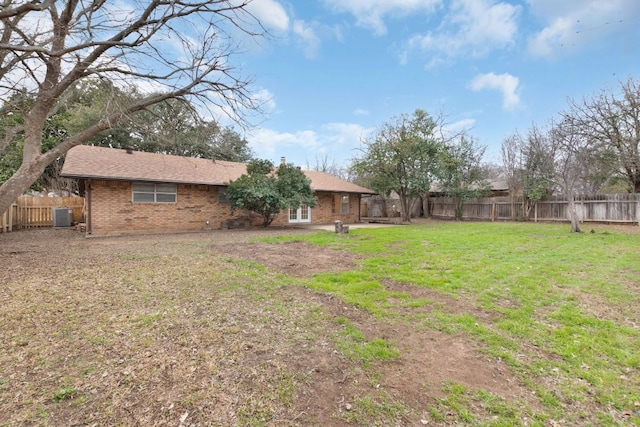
<point>89,206</point>
<point>359,207</point>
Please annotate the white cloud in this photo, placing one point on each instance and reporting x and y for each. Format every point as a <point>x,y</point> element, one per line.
<point>459,126</point>
<point>505,83</point>
<point>470,27</point>
<point>268,141</point>
<point>310,40</point>
<point>360,112</point>
<point>270,13</point>
<point>337,139</point>
<point>371,13</point>
<point>573,24</point>
<point>344,135</point>
<point>265,99</point>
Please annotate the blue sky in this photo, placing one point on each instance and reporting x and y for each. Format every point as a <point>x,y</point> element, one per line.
<point>336,70</point>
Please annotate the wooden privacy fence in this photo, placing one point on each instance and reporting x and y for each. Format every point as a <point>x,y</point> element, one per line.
<point>30,212</point>
<point>613,208</point>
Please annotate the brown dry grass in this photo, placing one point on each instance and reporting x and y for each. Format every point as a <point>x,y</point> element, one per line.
<point>155,331</point>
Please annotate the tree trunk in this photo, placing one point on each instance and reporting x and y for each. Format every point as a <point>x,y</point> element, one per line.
<point>425,205</point>
<point>33,164</point>
<point>458,206</point>
<point>514,205</point>
<point>573,215</point>
<point>19,181</point>
<point>405,208</point>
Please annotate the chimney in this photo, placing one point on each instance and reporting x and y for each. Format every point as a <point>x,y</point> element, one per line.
<point>129,150</point>
<point>283,160</point>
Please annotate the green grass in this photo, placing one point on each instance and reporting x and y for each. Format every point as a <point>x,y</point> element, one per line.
<point>356,347</point>
<point>65,393</point>
<point>377,410</point>
<point>564,308</point>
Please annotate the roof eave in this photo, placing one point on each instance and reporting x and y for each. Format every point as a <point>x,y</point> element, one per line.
<point>117,178</point>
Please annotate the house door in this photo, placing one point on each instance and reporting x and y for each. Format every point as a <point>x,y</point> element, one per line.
<point>302,214</point>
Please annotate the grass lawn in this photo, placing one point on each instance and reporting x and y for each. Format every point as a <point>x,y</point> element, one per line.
<point>442,323</point>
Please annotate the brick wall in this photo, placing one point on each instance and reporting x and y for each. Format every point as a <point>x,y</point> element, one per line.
<point>113,212</point>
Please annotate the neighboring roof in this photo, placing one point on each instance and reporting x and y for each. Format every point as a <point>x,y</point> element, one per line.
<point>84,161</point>
<point>499,184</point>
<point>494,185</point>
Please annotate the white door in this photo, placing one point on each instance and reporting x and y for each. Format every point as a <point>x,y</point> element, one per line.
<point>302,214</point>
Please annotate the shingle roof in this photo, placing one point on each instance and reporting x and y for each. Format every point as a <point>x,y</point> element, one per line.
<point>321,181</point>
<point>85,161</point>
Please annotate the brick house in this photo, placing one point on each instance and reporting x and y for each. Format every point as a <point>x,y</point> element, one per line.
<point>129,191</point>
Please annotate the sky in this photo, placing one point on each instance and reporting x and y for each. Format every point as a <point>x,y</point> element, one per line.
<point>334,71</point>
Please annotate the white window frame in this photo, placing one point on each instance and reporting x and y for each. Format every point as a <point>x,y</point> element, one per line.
<point>151,192</point>
<point>300,215</point>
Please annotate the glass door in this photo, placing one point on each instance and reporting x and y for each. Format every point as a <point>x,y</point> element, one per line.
<point>300,215</point>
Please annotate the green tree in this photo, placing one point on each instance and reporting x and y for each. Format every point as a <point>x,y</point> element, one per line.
<point>402,158</point>
<point>170,127</point>
<point>12,117</point>
<point>175,127</point>
<point>460,173</point>
<point>183,47</point>
<point>266,191</point>
<point>11,122</point>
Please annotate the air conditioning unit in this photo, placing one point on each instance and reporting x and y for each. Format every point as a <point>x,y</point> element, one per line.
<point>62,217</point>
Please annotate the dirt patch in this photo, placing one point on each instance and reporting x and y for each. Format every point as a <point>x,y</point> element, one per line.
<point>298,259</point>
<point>428,359</point>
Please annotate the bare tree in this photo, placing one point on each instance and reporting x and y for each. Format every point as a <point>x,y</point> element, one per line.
<point>612,121</point>
<point>324,164</point>
<point>171,49</point>
<point>512,164</point>
<point>570,152</point>
<point>563,153</point>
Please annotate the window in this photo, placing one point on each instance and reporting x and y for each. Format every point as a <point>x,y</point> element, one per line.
<point>149,192</point>
<point>344,204</point>
<point>222,195</point>
<point>341,204</point>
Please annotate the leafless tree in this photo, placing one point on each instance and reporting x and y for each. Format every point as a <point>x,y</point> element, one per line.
<point>612,122</point>
<point>168,49</point>
<point>565,153</point>
<point>571,155</point>
<point>512,164</point>
<point>327,165</point>
<point>528,162</point>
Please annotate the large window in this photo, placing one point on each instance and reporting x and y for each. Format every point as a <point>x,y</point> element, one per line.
<point>149,192</point>
<point>341,204</point>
